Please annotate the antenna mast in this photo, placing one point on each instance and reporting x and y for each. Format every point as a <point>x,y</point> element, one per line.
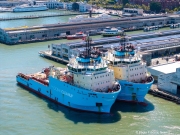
<point>88,45</point>
<point>123,40</point>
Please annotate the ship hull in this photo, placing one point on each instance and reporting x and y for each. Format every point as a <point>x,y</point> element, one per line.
<point>30,9</point>
<point>110,34</point>
<point>133,92</point>
<point>75,37</point>
<point>71,96</point>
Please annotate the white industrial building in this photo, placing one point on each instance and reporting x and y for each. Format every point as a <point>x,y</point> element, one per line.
<point>168,76</point>
<point>66,50</point>
<point>84,7</point>
<point>52,4</point>
<point>132,11</point>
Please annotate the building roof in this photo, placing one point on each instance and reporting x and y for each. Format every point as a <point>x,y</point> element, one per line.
<point>155,41</point>
<point>164,69</point>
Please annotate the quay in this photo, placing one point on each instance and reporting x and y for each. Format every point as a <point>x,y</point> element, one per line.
<point>102,41</point>
<point>149,48</point>
<point>22,34</point>
<point>164,94</point>
<point>40,16</point>
<point>47,55</point>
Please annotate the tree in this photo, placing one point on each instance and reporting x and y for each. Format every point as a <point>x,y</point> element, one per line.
<point>167,10</point>
<point>145,8</point>
<point>176,9</point>
<point>124,2</point>
<point>155,6</point>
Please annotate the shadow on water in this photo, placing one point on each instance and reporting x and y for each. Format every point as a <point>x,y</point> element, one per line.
<point>79,116</point>
<point>88,117</point>
<point>132,107</point>
<point>85,117</point>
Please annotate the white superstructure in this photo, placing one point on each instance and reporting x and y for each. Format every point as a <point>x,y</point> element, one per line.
<point>85,18</point>
<point>94,75</point>
<point>112,32</point>
<point>29,8</point>
<point>127,67</point>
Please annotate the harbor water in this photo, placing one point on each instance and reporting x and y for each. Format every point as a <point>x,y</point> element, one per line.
<point>22,112</point>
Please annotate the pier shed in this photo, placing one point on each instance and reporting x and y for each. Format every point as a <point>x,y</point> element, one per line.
<point>167,76</point>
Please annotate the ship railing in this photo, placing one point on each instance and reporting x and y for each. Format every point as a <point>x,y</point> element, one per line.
<point>23,76</point>
<point>72,84</point>
<point>97,65</point>
<point>40,80</point>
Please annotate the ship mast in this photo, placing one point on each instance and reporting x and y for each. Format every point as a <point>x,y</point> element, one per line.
<point>88,46</point>
<point>123,41</point>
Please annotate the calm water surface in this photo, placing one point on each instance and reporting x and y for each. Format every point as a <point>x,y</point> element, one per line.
<point>22,112</point>
<point>32,22</point>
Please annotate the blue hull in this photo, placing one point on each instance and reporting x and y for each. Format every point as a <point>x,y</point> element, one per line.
<point>134,92</point>
<point>71,96</point>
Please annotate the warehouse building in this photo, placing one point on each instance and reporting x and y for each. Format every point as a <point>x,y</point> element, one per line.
<point>167,76</point>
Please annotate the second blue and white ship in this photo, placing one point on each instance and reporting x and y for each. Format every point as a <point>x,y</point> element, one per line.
<point>86,84</point>
<point>130,71</point>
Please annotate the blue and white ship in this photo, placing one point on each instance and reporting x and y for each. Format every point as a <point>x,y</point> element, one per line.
<point>130,71</point>
<point>30,8</point>
<point>86,84</point>
<point>108,31</point>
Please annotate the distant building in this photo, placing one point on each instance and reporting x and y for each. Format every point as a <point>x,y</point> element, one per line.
<point>78,6</point>
<point>52,4</point>
<point>169,4</point>
<point>84,7</point>
<point>66,50</point>
<point>132,11</point>
<point>68,6</point>
<point>9,4</point>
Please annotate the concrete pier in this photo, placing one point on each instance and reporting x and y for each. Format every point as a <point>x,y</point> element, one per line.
<point>47,54</point>
<point>164,94</point>
<point>148,47</point>
<point>40,16</point>
<point>14,35</point>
